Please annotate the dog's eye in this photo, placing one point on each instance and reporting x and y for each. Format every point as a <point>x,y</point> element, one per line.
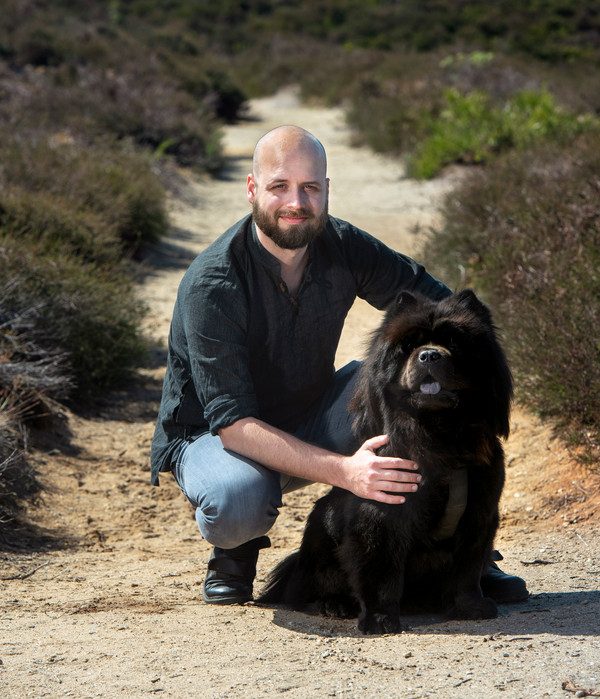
<point>409,343</point>
<point>449,340</point>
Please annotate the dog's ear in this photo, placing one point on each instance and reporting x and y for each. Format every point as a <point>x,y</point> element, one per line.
<point>366,408</point>
<point>502,388</point>
<point>405,300</point>
<point>467,299</point>
<point>500,379</point>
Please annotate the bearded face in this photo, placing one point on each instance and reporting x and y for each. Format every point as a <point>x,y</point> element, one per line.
<point>288,188</point>
<point>290,229</point>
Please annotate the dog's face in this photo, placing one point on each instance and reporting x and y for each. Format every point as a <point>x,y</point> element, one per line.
<point>438,356</point>
<point>433,352</point>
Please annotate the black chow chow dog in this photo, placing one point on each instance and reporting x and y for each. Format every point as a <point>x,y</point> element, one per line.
<point>437,382</point>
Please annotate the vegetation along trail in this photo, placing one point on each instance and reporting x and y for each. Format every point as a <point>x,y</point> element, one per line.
<point>118,612</point>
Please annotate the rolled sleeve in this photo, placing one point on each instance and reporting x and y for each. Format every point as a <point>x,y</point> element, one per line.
<point>226,410</point>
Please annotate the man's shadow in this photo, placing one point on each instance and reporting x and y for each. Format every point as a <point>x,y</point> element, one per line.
<point>561,613</point>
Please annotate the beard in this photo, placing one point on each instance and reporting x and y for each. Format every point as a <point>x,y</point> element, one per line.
<point>296,236</point>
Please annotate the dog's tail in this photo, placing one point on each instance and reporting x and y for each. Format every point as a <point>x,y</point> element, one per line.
<point>285,584</point>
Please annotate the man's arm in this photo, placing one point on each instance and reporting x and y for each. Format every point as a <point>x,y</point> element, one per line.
<point>381,273</point>
<point>364,473</point>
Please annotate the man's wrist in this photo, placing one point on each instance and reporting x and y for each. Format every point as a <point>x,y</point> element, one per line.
<point>339,472</point>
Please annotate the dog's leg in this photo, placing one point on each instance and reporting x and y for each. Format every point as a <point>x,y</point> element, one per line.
<point>467,598</point>
<point>380,601</point>
<point>474,543</point>
<point>469,602</point>
<point>329,584</point>
<point>377,583</point>
<point>332,594</point>
<point>340,606</point>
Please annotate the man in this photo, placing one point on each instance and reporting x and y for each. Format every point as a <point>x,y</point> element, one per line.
<point>252,406</point>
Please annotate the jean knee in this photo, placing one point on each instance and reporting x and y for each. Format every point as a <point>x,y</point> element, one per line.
<point>239,514</point>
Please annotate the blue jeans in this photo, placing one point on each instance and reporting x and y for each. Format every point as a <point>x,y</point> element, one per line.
<point>237,499</point>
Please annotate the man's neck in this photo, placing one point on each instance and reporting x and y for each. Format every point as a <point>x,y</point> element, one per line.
<point>292,262</point>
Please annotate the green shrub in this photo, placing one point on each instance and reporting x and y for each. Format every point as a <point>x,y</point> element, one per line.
<point>20,483</point>
<point>470,129</point>
<point>388,109</point>
<point>551,29</point>
<point>31,379</point>
<point>56,227</point>
<point>525,232</point>
<point>440,108</point>
<point>98,202</point>
<point>90,313</point>
<point>155,84</point>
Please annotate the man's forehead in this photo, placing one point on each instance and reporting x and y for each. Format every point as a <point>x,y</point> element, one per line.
<point>297,165</point>
<point>286,148</point>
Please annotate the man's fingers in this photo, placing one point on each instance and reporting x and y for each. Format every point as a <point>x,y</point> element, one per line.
<point>398,475</point>
<point>385,477</point>
<point>394,462</point>
<point>389,499</point>
<point>376,442</point>
<point>396,487</point>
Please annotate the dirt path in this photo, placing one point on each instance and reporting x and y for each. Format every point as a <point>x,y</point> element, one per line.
<point>118,612</point>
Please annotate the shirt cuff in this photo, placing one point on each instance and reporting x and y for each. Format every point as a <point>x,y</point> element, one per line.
<point>225,410</point>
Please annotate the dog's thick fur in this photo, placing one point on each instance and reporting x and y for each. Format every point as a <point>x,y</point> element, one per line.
<point>437,382</point>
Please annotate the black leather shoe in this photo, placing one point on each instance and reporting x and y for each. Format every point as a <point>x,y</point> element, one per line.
<point>500,586</point>
<point>231,572</point>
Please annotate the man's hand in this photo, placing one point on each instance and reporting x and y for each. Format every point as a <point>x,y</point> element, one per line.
<point>377,477</point>
<point>364,473</point>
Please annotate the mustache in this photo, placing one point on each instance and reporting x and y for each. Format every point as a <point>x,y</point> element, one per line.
<point>296,213</point>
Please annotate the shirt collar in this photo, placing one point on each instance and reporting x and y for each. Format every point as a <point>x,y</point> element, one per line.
<point>260,253</point>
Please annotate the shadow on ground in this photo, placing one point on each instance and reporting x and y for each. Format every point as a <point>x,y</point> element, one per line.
<point>232,169</point>
<point>550,612</point>
<point>167,255</point>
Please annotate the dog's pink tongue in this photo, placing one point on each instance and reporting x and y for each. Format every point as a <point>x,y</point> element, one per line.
<point>431,388</point>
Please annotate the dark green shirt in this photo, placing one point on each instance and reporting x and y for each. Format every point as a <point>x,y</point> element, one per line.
<point>241,346</point>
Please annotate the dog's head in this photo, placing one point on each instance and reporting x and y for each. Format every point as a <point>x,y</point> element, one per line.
<point>436,356</point>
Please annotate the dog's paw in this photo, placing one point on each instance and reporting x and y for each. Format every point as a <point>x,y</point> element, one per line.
<point>377,622</point>
<point>472,607</point>
<point>339,606</point>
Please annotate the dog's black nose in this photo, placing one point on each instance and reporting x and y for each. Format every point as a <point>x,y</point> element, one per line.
<point>429,355</point>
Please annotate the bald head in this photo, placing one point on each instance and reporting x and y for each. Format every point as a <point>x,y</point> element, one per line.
<point>285,142</point>
<point>288,188</point>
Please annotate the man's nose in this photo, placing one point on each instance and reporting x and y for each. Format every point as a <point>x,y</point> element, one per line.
<point>297,197</point>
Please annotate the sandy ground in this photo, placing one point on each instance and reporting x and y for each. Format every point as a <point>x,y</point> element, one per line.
<point>117,611</point>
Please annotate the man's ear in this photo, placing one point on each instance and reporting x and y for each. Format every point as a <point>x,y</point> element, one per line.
<point>251,188</point>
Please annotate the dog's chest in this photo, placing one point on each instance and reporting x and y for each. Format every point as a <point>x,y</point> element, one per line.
<point>434,512</point>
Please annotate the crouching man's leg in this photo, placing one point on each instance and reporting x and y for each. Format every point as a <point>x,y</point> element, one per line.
<point>237,502</point>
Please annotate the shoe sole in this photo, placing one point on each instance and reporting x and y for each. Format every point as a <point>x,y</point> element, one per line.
<point>225,600</point>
